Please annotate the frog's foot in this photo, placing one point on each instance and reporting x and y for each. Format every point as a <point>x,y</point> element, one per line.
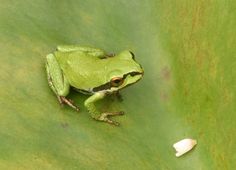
<point>69,102</point>
<point>104,117</point>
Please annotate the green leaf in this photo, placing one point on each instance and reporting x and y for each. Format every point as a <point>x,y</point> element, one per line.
<point>187,49</point>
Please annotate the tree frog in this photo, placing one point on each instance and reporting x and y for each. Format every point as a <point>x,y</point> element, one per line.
<point>91,71</point>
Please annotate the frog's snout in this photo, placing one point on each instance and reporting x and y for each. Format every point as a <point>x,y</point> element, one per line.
<point>142,72</point>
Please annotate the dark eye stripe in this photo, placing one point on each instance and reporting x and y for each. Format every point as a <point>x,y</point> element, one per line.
<point>108,85</point>
<point>132,74</point>
<point>102,87</point>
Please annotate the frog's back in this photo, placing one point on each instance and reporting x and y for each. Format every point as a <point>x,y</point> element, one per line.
<point>82,70</point>
<point>74,60</point>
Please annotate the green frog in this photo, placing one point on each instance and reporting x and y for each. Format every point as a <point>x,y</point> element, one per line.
<point>93,72</point>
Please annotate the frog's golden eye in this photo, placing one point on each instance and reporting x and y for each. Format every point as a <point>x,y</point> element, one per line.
<point>116,81</point>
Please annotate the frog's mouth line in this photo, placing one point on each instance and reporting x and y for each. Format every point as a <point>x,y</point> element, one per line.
<point>109,85</point>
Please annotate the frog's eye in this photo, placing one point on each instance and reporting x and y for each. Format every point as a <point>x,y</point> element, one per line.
<point>116,81</point>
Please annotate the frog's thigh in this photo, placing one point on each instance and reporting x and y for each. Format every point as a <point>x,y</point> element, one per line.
<point>91,51</point>
<point>57,81</point>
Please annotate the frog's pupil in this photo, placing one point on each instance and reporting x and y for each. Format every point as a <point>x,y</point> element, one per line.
<point>117,81</point>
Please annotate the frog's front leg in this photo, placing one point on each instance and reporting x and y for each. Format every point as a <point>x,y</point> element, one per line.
<point>58,82</point>
<point>89,104</point>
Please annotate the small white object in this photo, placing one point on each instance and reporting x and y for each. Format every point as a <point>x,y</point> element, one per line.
<point>184,146</point>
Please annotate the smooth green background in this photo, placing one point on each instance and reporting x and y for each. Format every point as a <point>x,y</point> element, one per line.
<point>188,51</point>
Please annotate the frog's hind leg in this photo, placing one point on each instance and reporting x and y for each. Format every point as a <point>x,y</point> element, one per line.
<point>69,102</point>
<point>57,82</point>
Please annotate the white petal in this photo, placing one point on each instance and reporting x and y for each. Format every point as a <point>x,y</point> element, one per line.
<point>184,146</point>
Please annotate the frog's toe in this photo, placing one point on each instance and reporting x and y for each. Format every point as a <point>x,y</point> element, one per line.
<point>112,122</point>
<point>69,102</point>
<point>77,108</point>
<point>121,113</point>
<point>104,117</point>
<point>115,113</point>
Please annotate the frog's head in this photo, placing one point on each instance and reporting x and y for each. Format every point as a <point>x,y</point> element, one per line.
<point>122,71</point>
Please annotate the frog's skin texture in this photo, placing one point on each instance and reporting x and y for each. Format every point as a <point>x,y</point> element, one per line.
<point>91,71</point>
